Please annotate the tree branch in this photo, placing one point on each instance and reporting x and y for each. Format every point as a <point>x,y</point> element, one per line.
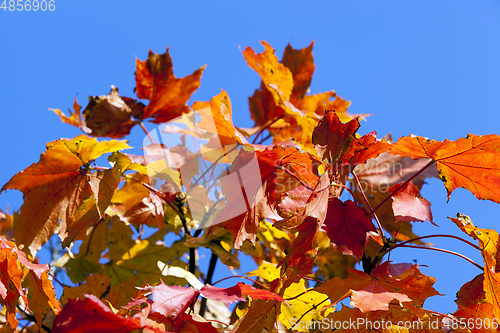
<point>380,230</point>
<point>147,133</point>
<point>208,280</point>
<point>32,318</point>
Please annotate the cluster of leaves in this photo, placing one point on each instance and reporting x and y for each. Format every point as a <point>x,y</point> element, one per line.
<point>288,213</point>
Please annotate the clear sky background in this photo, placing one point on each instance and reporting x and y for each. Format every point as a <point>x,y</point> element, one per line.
<point>428,68</point>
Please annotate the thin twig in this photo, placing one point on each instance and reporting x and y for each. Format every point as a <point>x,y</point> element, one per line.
<point>99,168</point>
<point>312,279</point>
<point>55,279</point>
<point>204,173</point>
<point>297,296</point>
<point>147,133</point>
<point>346,187</point>
<point>266,127</point>
<point>441,235</point>
<point>264,139</point>
<point>32,318</point>
<point>241,277</point>
<point>297,178</point>
<point>381,231</point>
<point>314,307</point>
<point>208,280</point>
<point>91,236</point>
<point>438,249</point>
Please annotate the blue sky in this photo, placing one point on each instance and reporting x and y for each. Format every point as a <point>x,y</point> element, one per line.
<point>427,68</point>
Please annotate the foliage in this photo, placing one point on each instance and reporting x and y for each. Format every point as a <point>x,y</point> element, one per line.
<point>311,208</point>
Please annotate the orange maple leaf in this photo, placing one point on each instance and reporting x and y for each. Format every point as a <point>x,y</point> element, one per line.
<point>472,163</point>
<point>252,187</point>
<point>375,291</point>
<point>167,94</point>
<point>16,272</point>
<point>55,187</point>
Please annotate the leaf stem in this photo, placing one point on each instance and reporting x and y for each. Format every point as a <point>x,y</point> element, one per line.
<point>147,133</point>
<point>431,162</point>
<point>55,279</point>
<point>381,231</point>
<point>208,169</point>
<point>241,277</point>
<point>32,318</point>
<point>266,127</point>
<point>341,185</point>
<point>298,295</point>
<point>438,249</point>
<point>297,178</point>
<point>441,235</point>
<point>264,139</point>
<point>314,307</point>
<point>99,168</point>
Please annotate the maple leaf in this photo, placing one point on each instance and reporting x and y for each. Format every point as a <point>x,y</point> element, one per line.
<point>96,284</point>
<point>376,177</point>
<point>110,115</point>
<point>192,324</point>
<point>216,118</point>
<point>478,312</point>
<point>140,260</point>
<point>8,223</point>
<point>273,74</point>
<point>301,300</point>
<point>408,205</point>
<point>301,65</point>
<point>300,112</point>
<point>105,116</point>
<point>172,301</point>
<point>330,260</point>
<point>489,244</point>
<point>293,203</point>
<point>387,169</point>
<point>291,207</point>
<point>373,149</point>
<point>55,187</point>
<point>375,291</point>
<point>471,162</point>
<point>347,225</point>
<point>167,94</point>
<point>91,315</point>
<point>16,271</point>
<point>261,316</point>
<point>472,304</point>
<point>303,250</point>
<point>334,141</point>
<point>251,188</point>
<point>319,103</point>
<point>471,292</point>
<point>41,295</point>
<point>134,203</point>
<point>11,275</point>
<point>75,118</point>
<point>273,101</point>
